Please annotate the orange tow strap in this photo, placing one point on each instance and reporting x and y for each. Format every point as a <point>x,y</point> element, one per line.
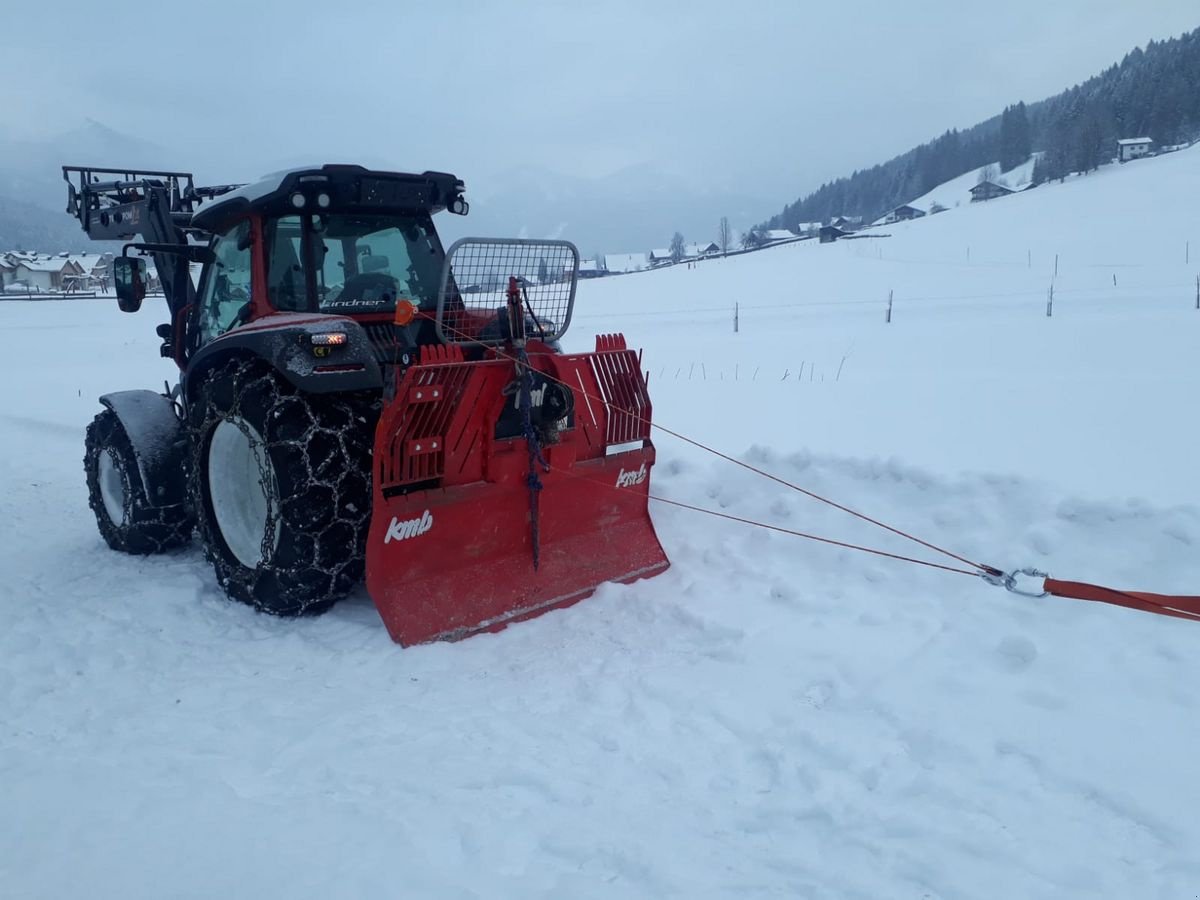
<point>1162,604</point>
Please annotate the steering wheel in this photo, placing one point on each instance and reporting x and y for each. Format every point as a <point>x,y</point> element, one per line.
<point>357,285</point>
<point>242,316</point>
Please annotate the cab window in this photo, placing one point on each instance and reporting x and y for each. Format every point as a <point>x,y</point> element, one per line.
<point>357,263</point>
<point>225,300</point>
<point>285,270</point>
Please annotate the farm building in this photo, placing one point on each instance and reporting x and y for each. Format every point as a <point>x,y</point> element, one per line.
<point>988,190</point>
<point>1134,148</point>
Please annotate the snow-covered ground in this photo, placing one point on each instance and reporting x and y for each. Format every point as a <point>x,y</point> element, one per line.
<point>771,717</point>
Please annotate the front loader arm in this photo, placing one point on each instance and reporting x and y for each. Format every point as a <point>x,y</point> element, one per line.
<point>121,204</point>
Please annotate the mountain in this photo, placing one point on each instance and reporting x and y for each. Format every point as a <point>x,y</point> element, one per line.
<point>31,169</point>
<point>33,195</point>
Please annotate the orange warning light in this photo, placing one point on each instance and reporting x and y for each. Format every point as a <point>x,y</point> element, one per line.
<point>405,312</point>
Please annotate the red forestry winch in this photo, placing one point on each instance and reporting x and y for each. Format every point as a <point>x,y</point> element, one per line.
<point>477,524</point>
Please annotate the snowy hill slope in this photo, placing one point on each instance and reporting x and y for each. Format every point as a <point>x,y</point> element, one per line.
<point>771,717</point>
<point>957,191</point>
<point>970,371</point>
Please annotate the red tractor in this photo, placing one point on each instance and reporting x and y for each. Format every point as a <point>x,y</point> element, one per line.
<point>354,399</point>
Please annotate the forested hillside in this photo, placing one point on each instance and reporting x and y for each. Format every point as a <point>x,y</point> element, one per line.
<point>1152,92</point>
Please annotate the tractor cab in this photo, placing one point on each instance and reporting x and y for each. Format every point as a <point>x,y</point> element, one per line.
<point>339,240</point>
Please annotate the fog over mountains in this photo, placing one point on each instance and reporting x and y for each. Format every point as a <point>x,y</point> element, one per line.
<point>33,196</point>
<point>632,210</point>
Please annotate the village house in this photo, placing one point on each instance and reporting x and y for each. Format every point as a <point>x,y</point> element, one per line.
<point>95,270</point>
<point>659,257</point>
<point>846,223</point>
<point>42,274</point>
<point>617,263</point>
<point>589,268</point>
<point>988,190</point>
<point>830,233</point>
<point>777,235</point>
<point>67,272</point>
<point>1134,148</point>
<point>696,251</point>
<point>905,213</point>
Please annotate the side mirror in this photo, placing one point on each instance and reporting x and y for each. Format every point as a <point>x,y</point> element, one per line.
<point>129,276</point>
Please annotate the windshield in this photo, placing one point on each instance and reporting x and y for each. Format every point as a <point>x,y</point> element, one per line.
<point>344,263</point>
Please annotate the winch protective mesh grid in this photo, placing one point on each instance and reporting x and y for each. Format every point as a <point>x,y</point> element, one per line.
<point>475,279</point>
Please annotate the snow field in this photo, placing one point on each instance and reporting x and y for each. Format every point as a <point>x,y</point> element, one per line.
<point>771,716</point>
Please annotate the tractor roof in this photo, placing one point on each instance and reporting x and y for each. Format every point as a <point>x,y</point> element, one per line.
<point>336,188</point>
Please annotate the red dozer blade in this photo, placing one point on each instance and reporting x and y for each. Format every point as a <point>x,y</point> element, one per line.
<point>453,532</point>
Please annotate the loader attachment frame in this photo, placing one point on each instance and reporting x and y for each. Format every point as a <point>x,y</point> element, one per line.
<point>452,539</point>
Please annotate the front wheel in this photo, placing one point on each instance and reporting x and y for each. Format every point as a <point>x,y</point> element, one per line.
<point>127,519</point>
<point>281,481</point>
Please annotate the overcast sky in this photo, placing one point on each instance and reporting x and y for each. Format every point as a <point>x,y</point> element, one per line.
<point>785,93</point>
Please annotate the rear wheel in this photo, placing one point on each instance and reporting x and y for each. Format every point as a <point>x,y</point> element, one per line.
<point>281,481</point>
<point>127,520</point>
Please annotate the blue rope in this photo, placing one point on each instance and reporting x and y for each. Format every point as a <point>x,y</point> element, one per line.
<point>532,480</point>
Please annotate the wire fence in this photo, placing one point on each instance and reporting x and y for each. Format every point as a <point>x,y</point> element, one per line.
<point>1183,289</point>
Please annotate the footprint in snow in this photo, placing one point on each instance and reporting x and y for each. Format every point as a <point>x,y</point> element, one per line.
<point>818,694</point>
<point>1015,654</point>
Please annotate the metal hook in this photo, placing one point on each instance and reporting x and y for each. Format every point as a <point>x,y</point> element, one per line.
<point>1008,580</point>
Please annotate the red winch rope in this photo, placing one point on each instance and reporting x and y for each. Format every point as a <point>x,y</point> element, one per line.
<point>1162,604</point>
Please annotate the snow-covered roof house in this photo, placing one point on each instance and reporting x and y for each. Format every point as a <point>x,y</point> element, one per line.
<point>44,273</point>
<point>988,190</point>
<point>695,251</point>
<point>659,256</point>
<point>626,262</point>
<point>775,235</point>
<point>905,213</point>
<point>91,263</point>
<point>590,268</point>
<point>1134,148</point>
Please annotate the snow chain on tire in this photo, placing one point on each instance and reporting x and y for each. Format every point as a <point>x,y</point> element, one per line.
<point>144,528</point>
<point>318,502</point>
